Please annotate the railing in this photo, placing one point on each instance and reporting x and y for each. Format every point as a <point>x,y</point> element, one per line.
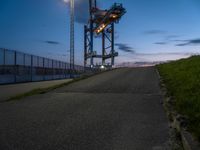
<point>17,67</point>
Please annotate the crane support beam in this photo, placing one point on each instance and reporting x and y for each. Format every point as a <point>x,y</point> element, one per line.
<point>101,24</point>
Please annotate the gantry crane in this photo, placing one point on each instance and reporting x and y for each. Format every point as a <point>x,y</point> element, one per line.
<point>101,23</point>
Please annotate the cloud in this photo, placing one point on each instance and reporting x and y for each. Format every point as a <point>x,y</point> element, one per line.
<point>124,48</point>
<point>167,39</point>
<point>155,32</point>
<point>170,37</point>
<point>180,40</point>
<point>153,57</point>
<point>182,44</point>
<point>161,43</point>
<point>194,42</point>
<point>52,42</point>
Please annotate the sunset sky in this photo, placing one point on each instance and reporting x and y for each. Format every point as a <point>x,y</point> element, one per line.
<point>152,30</point>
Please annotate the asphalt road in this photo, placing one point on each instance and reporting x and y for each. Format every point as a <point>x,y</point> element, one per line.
<point>116,110</point>
<point>11,90</point>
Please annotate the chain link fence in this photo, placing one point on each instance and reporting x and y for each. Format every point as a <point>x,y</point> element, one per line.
<point>17,67</point>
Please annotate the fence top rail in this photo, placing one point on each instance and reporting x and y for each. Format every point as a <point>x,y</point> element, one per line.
<point>35,56</point>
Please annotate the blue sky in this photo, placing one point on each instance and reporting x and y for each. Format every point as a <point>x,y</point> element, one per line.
<point>154,30</point>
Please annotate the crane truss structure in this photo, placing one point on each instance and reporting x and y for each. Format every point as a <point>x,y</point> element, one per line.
<point>101,24</point>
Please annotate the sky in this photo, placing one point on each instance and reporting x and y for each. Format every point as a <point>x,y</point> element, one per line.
<point>151,30</point>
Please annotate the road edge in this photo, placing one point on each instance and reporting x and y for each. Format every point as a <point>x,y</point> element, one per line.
<point>37,91</point>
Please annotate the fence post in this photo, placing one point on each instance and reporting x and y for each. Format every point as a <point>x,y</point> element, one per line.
<point>4,60</point>
<point>24,71</point>
<point>24,59</point>
<point>4,57</point>
<point>65,70</point>
<point>52,70</point>
<point>31,67</point>
<point>15,66</point>
<point>58,69</point>
<point>43,69</point>
<point>47,73</point>
<point>37,61</point>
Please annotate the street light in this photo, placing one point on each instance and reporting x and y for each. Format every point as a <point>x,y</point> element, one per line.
<point>71,34</point>
<point>66,1</point>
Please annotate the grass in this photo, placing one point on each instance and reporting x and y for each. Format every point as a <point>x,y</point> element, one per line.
<point>182,79</point>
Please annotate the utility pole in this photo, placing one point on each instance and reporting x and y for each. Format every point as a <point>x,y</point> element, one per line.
<point>71,37</point>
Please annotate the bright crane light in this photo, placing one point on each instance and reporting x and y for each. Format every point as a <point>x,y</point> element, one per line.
<point>102,67</point>
<point>66,1</point>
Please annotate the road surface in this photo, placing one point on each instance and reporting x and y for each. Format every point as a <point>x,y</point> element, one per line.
<point>116,110</point>
<point>11,90</point>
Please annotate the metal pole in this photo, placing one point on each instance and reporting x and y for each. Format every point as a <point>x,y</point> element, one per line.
<point>103,47</point>
<point>65,70</point>
<point>37,61</point>
<point>24,59</point>
<point>91,32</point>
<point>112,44</point>
<point>4,57</point>
<point>85,46</point>
<point>95,3</point>
<point>4,60</point>
<point>52,69</point>
<point>31,67</point>
<point>24,67</point>
<point>43,69</point>
<point>15,68</point>
<point>71,36</point>
<point>59,69</point>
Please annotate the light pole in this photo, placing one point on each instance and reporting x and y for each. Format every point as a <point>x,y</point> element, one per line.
<point>71,35</point>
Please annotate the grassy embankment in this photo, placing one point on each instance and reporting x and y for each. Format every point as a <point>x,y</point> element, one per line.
<point>182,79</point>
